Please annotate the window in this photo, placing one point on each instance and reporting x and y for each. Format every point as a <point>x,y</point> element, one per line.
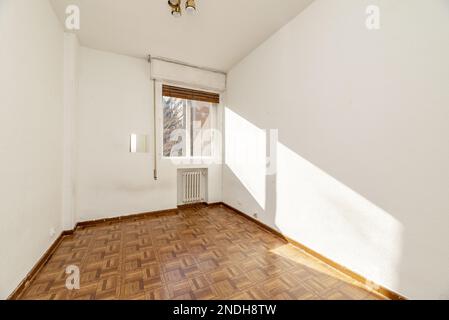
<point>174,127</point>
<point>188,122</point>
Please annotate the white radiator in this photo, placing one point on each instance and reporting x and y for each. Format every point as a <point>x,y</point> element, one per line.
<point>192,187</point>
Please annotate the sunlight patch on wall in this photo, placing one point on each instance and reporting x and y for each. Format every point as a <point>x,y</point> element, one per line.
<point>246,154</point>
<point>313,208</point>
<point>320,212</point>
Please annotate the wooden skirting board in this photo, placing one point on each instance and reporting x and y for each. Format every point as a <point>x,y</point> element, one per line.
<point>377,288</point>
<point>48,254</point>
<point>38,266</point>
<point>90,223</point>
<point>80,225</point>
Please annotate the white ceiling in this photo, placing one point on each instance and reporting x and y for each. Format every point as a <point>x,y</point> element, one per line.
<point>218,36</point>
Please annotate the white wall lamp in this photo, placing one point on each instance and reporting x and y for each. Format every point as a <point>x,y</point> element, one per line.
<point>175,6</point>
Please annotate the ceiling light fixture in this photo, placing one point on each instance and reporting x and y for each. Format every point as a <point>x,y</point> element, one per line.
<point>191,7</point>
<point>175,6</point>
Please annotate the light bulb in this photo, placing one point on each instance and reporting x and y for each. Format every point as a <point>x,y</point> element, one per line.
<point>190,10</point>
<point>175,7</point>
<point>190,7</point>
<point>176,11</point>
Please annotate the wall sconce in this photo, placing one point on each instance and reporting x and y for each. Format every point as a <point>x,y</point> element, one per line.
<point>138,143</point>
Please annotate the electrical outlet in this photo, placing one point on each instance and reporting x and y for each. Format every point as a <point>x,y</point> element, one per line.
<point>256,216</point>
<point>52,232</point>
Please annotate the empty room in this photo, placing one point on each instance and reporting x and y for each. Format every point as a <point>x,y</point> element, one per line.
<point>228,150</point>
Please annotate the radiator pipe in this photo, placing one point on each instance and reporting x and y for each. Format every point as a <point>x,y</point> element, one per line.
<point>155,131</point>
<point>155,171</point>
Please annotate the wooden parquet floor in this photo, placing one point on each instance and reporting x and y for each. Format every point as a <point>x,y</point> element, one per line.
<point>198,253</point>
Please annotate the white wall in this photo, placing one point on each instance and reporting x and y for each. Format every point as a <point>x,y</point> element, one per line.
<point>71,75</point>
<point>370,109</point>
<point>31,106</point>
<point>115,100</point>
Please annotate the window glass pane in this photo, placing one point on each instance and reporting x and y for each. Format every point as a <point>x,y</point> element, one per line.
<point>174,127</point>
<point>201,129</point>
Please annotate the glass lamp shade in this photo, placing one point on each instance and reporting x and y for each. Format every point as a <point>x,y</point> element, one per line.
<point>176,12</point>
<point>190,7</point>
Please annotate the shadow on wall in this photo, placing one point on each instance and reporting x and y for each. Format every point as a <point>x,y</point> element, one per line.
<point>308,205</point>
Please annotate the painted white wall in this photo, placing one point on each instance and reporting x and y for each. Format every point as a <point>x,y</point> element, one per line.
<point>31,147</point>
<point>116,100</point>
<point>71,70</point>
<point>370,109</point>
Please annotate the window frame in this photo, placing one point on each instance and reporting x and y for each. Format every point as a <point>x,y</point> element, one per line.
<point>188,116</point>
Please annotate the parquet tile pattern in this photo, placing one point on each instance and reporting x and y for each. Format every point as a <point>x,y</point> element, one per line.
<point>198,253</point>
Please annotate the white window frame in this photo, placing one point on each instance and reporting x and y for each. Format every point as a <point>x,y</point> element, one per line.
<point>214,127</point>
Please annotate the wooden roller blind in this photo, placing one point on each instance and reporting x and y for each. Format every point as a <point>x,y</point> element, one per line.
<point>183,93</point>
